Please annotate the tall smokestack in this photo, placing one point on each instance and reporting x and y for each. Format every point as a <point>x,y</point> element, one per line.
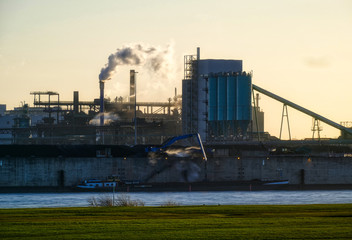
<point>75,101</point>
<point>101,83</point>
<point>132,86</point>
<point>133,100</point>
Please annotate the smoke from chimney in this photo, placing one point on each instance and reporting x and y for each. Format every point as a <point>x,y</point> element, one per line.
<point>154,58</point>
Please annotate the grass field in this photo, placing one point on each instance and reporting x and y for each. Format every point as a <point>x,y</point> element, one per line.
<point>179,222</point>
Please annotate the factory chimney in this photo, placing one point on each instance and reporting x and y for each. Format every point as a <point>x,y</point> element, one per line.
<point>101,84</point>
<point>132,86</point>
<point>75,101</point>
<point>133,100</point>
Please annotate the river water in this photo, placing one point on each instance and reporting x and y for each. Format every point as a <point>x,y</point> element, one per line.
<point>43,200</point>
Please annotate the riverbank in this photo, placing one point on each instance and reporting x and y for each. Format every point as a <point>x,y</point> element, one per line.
<point>180,222</point>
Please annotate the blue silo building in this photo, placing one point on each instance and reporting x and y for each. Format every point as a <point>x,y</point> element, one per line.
<point>216,98</point>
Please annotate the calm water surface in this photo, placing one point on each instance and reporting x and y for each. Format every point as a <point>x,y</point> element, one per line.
<point>41,200</point>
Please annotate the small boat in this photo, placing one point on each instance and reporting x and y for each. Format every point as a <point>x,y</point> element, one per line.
<point>111,182</point>
<point>96,183</point>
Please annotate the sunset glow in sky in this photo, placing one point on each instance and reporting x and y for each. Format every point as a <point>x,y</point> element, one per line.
<point>300,50</point>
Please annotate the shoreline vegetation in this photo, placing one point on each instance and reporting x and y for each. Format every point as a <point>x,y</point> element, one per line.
<point>327,221</point>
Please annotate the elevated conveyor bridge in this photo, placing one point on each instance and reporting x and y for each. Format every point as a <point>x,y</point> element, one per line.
<point>302,109</point>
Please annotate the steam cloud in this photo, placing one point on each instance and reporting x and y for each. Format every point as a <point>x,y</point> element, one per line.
<point>108,119</point>
<point>183,152</point>
<point>155,58</point>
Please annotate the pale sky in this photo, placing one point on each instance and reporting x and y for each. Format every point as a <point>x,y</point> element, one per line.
<point>300,50</point>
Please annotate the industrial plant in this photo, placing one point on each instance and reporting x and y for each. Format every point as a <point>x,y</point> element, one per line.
<point>53,121</point>
<point>211,135</point>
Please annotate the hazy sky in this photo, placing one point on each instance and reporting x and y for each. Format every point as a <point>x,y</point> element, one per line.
<point>300,50</point>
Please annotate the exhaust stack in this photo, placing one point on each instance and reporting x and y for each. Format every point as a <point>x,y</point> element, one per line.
<point>101,83</point>
<point>132,86</point>
<point>75,101</point>
<point>133,100</point>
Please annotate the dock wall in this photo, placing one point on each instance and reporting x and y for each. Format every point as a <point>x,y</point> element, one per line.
<point>69,171</point>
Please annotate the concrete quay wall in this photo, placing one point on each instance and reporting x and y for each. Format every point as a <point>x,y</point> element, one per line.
<point>69,171</point>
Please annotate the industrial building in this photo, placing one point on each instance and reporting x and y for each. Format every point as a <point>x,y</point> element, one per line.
<point>216,100</point>
<point>60,143</point>
<point>54,121</point>
<point>219,102</point>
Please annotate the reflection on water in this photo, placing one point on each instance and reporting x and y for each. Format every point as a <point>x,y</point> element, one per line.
<point>39,200</point>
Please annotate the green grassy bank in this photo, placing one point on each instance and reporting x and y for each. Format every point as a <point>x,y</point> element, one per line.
<point>179,222</point>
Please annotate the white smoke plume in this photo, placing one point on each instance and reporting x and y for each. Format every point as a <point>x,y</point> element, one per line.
<point>108,119</point>
<point>154,58</point>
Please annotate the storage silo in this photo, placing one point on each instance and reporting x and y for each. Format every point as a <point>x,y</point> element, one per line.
<point>231,97</point>
<point>213,108</point>
<point>196,116</point>
<point>213,103</point>
<point>243,109</point>
<point>231,104</point>
<point>222,97</point>
<point>222,102</point>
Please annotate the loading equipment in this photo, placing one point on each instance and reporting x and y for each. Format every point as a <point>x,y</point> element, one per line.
<point>172,140</point>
